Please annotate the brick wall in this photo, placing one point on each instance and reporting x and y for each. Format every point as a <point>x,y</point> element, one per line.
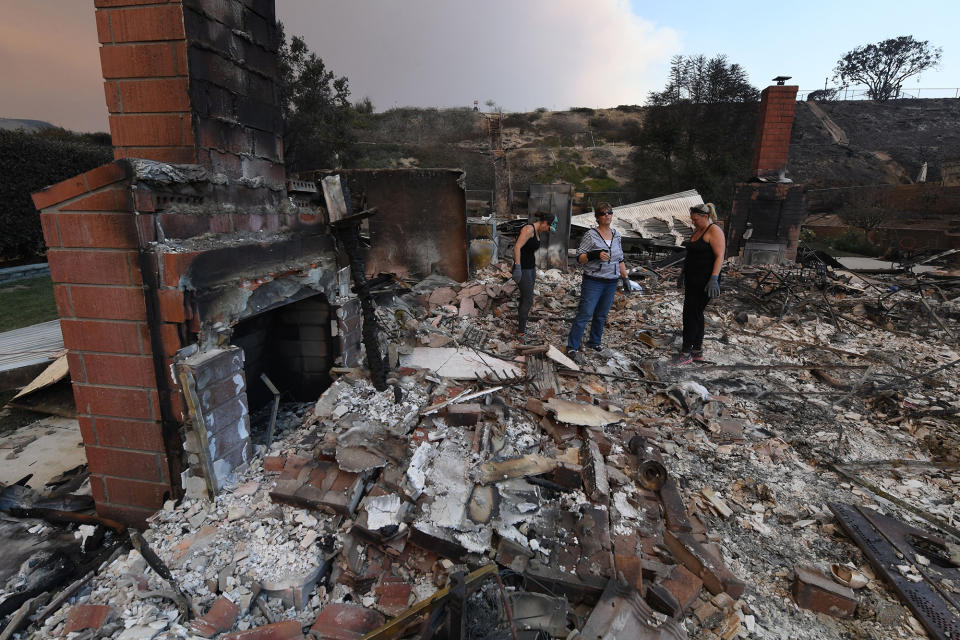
<point>91,233</point>
<point>144,61</point>
<point>774,123</point>
<point>194,81</point>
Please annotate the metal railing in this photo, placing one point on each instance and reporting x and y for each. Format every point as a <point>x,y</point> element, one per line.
<point>862,93</point>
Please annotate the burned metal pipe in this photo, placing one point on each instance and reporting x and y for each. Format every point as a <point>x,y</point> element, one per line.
<point>348,233</point>
<point>651,472</point>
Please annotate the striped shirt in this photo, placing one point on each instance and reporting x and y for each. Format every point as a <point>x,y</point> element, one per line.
<point>593,241</point>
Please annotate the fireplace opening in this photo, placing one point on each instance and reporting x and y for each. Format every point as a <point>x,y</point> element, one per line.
<point>293,345</point>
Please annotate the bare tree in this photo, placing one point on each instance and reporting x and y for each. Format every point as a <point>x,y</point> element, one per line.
<point>868,217</point>
<point>883,66</point>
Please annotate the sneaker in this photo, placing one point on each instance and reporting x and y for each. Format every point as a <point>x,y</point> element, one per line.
<point>574,355</point>
<point>681,359</point>
<point>697,356</point>
<point>595,347</point>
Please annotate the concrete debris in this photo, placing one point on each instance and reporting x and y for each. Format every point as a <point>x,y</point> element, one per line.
<point>581,414</point>
<point>626,497</point>
<point>459,364</point>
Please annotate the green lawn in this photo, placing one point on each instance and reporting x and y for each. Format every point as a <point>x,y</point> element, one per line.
<point>26,302</point>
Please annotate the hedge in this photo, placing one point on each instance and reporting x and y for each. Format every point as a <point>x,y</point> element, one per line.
<point>30,162</point>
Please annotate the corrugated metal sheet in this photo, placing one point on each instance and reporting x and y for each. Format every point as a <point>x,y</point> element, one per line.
<point>31,345</point>
<point>665,219</point>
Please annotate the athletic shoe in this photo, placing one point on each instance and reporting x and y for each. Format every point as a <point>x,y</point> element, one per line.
<point>574,355</point>
<point>595,347</point>
<point>681,359</point>
<point>697,356</point>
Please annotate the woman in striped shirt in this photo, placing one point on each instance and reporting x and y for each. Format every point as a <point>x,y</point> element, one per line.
<point>601,254</point>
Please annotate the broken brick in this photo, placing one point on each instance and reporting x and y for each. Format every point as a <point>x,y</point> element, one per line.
<point>674,511</point>
<point>342,621</point>
<point>464,415</point>
<point>394,596</point>
<point>630,569</point>
<point>708,615</point>
<point>815,591</point>
<point>683,585</point>
<point>535,406</point>
<point>221,617</point>
<point>87,616</point>
<point>286,630</point>
<point>716,577</point>
<point>273,464</point>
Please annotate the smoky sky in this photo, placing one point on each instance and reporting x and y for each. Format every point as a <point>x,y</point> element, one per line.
<point>522,54</point>
<point>50,65</point>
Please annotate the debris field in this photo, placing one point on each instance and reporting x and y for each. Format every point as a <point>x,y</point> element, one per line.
<point>499,490</point>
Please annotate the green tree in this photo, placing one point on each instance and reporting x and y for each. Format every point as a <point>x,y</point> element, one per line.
<point>883,66</point>
<point>698,131</point>
<point>701,80</point>
<point>317,115</point>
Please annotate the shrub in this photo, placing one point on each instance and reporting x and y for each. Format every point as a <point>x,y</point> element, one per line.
<point>516,121</point>
<point>586,110</point>
<point>29,162</point>
<point>854,241</point>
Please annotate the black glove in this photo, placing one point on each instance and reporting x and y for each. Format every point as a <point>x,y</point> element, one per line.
<point>682,280</point>
<point>516,272</point>
<point>626,285</point>
<point>594,255</point>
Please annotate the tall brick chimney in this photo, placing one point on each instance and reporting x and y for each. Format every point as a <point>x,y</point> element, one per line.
<point>768,210</point>
<point>193,81</point>
<point>774,123</point>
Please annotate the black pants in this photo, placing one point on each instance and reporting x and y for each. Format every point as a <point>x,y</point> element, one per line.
<point>694,302</point>
<point>527,278</point>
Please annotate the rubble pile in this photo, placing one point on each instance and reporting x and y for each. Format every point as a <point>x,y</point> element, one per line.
<point>498,490</point>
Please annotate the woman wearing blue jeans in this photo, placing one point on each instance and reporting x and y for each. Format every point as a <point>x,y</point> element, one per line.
<point>601,254</point>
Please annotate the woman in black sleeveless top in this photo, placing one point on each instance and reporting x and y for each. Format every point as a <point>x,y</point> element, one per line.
<point>700,278</point>
<point>525,264</point>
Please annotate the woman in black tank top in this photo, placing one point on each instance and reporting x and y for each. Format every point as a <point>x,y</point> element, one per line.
<point>700,278</point>
<point>525,264</point>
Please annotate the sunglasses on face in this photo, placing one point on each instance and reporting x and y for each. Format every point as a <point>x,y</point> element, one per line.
<point>605,213</point>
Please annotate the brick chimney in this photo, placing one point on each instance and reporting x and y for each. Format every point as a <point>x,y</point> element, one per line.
<point>772,144</point>
<point>193,81</point>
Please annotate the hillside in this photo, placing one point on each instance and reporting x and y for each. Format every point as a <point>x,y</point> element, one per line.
<point>13,124</point>
<point>595,149</point>
<point>888,142</point>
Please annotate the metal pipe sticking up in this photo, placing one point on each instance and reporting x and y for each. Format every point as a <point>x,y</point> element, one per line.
<point>651,472</point>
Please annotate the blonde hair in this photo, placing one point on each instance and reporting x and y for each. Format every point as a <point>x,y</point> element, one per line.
<point>707,209</point>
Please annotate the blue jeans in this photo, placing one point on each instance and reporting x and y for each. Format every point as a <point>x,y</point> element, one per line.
<point>596,296</point>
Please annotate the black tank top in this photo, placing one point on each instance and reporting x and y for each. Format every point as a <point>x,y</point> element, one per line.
<point>528,259</point>
<point>698,265</point>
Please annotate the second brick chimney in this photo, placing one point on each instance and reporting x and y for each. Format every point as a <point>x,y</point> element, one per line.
<point>774,123</point>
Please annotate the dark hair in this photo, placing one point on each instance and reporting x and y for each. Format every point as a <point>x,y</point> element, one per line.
<point>603,206</point>
<point>546,216</point>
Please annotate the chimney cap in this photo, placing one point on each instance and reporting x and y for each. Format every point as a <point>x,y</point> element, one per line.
<point>781,79</point>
